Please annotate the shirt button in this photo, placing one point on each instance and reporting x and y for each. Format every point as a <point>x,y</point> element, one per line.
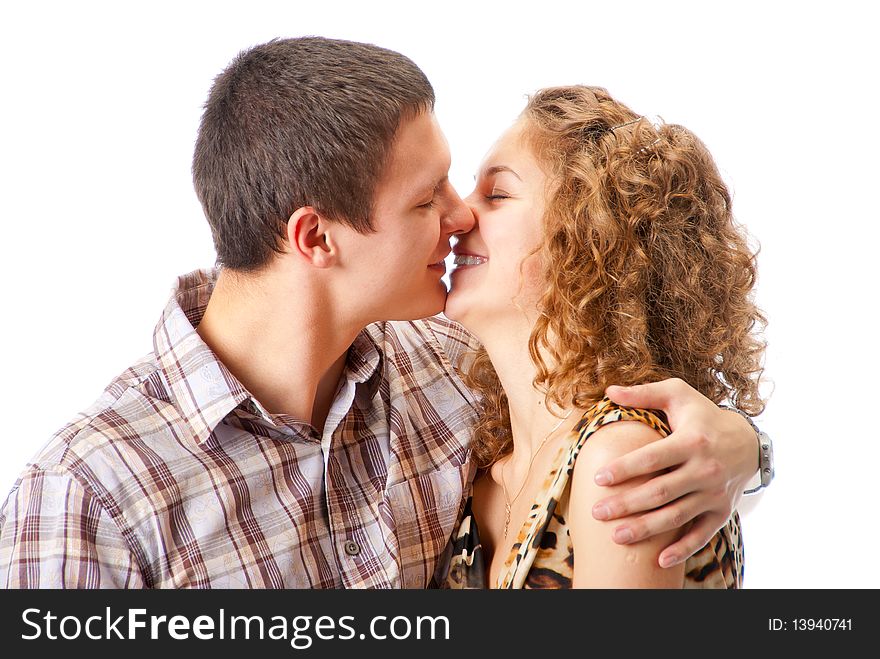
<point>352,548</point>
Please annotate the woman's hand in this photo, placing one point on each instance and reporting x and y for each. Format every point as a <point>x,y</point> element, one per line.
<point>709,459</point>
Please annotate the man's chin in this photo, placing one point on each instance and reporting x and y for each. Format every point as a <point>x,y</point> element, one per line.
<point>432,304</point>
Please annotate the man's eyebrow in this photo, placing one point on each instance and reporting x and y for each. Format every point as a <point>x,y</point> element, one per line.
<point>432,186</point>
<point>500,168</point>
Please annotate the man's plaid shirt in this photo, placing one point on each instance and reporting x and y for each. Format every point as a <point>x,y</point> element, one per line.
<point>178,478</point>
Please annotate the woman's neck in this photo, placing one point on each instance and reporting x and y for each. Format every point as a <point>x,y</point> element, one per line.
<point>530,420</point>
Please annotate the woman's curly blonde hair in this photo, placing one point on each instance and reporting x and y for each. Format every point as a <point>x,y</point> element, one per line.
<point>647,274</point>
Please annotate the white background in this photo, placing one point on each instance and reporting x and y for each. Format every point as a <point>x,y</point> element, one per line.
<point>99,106</point>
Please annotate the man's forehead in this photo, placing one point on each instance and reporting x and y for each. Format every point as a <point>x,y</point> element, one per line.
<point>420,153</point>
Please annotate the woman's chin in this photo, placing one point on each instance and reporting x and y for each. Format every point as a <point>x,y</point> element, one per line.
<point>457,306</point>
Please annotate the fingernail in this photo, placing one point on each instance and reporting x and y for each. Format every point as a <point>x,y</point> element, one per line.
<point>623,535</point>
<point>603,477</point>
<point>668,560</point>
<point>601,512</point>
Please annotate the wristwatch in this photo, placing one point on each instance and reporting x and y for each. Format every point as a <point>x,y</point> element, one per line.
<point>765,452</point>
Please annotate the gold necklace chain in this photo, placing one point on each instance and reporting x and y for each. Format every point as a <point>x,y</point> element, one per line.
<point>508,502</point>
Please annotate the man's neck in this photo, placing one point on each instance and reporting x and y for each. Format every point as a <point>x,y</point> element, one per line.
<point>287,346</point>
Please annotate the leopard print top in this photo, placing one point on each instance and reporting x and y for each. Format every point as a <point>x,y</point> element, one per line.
<point>542,555</point>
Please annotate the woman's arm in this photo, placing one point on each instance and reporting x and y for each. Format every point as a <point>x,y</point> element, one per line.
<point>599,561</point>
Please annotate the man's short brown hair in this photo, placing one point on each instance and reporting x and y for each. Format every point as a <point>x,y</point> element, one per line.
<point>299,122</point>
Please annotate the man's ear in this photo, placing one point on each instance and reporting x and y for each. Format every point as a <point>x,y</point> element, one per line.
<point>308,234</point>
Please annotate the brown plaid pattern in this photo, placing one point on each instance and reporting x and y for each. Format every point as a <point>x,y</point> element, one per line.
<point>177,478</point>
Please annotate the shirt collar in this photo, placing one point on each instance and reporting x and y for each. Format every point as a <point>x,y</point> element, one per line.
<point>201,387</point>
<point>364,362</point>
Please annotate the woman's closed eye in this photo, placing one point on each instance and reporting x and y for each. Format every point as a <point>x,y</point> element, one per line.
<point>497,194</point>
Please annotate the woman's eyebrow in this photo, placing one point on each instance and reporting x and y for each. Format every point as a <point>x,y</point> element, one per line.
<point>499,168</point>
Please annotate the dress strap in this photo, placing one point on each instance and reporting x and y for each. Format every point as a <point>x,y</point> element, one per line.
<point>524,550</point>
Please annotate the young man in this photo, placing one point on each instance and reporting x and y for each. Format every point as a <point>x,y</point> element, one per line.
<point>283,432</point>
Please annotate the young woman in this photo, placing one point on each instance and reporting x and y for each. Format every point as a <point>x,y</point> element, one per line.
<point>604,251</point>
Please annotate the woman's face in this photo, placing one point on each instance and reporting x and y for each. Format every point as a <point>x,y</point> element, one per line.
<point>497,278</point>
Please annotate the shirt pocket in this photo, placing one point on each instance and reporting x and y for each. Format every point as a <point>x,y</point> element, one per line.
<point>425,510</point>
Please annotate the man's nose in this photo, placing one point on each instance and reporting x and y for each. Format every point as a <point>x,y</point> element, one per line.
<point>460,218</point>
